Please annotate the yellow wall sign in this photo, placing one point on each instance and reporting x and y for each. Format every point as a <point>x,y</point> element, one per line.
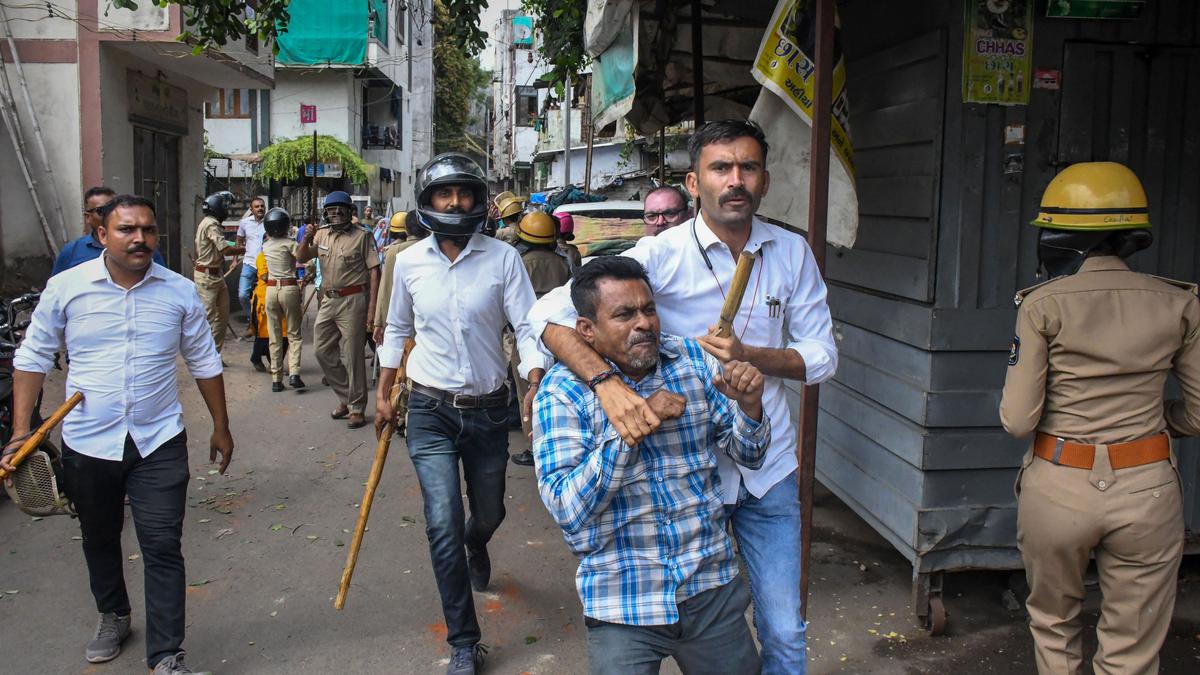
<point>785,67</point>
<point>997,51</point>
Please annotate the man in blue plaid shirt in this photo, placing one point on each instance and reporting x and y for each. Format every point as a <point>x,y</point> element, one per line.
<point>657,574</point>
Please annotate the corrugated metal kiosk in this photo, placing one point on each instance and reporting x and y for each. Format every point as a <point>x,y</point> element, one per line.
<point>909,432</point>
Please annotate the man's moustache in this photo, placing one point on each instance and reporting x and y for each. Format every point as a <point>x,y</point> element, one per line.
<point>639,338</point>
<point>139,249</point>
<point>733,194</point>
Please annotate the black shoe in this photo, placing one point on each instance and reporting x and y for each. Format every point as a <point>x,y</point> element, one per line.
<point>479,567</point>
<point>276,386</point>
<point>466,660</point>
<point>258,365</point>
<point>295,382</point>
<point>324,380</point>
<point>523,458</point>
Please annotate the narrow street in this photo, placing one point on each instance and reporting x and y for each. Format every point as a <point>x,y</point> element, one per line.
<point>266,543</point>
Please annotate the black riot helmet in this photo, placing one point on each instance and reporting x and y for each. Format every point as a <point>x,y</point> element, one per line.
<point>217,204</point>
<point>277,222</point>
<point>451,168</point>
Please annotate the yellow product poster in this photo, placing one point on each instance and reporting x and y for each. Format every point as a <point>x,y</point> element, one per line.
<point>997,51</point>
<point>785,67</point>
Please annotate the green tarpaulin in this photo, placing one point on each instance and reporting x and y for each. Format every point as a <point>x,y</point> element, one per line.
<point>325,32</point>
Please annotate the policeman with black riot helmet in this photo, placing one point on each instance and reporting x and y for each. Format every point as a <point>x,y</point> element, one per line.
<point>211,249</point>
<point>350,282</point>
<point>1092,351</point>
<point>453,294</point>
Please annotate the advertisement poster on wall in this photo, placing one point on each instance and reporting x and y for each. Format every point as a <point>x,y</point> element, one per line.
<point>997,51</point>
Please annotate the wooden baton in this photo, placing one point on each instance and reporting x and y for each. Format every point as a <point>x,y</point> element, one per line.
<point>737,289</point>
<point>38,436</point>
<point>381,453</point>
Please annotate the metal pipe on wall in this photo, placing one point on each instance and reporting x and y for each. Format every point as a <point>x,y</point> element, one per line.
<point>818,210</point>
<point>697,65</point>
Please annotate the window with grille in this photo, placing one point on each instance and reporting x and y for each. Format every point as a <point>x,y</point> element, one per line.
<point>526,106</point>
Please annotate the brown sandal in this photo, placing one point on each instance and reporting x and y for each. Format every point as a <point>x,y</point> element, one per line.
<point>340,413</point>
<point>357,420</point>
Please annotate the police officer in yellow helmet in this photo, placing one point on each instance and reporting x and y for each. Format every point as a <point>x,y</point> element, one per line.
<point>1093,348</point>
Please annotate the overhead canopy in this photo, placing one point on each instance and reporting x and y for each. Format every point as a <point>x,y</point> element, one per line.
<point>654,79</point>
<point>644,71</point>
<point>321,33</point>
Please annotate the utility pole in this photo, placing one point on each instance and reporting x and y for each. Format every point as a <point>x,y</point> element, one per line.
<point>566,108</point>
<point>587,123</point>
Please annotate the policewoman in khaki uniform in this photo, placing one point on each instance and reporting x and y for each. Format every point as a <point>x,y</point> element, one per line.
<point>211,249</point>
<point>1092,351</point>
<point>282,298</point>
<point>349,284</point>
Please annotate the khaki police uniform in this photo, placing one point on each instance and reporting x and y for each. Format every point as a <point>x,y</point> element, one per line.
<point>210,283</point>
<point>1086,372</point>
<point>283,304</point>
<point>547,269</point>
<point>340,330</point>
<point>384,296</point>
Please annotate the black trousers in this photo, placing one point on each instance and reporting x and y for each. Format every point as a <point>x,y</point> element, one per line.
<point>157,490</point>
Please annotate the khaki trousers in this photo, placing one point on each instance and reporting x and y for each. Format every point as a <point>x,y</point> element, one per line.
<point>214,295</point>
<point>339,336</point>
<point>283,310</point>
<point>1132,520</point>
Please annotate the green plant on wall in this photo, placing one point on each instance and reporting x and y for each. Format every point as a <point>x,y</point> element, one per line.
<point>285,160</point>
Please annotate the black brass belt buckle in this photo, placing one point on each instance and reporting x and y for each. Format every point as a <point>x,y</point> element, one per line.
<point>454,401</point>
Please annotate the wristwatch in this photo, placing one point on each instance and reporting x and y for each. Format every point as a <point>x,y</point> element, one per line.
<point>600,377</point>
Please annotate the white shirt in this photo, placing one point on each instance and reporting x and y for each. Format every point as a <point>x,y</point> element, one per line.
<point>122,345</point>
<point>456,311</point>
<point>784,307</point>
<point>252,229</point>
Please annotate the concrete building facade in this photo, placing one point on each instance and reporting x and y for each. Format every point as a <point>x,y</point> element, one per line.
<point>119,102</point>
<point>381,108</point>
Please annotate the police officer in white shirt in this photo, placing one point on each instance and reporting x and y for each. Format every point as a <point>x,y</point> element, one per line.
<point>783,329</point>
<point>124,319</point>
<point>453,293</point>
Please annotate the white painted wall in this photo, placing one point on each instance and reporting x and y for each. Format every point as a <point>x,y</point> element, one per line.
<point>28,19</point>
<point>332,91</point>
<point>229,136</point>
<point>148,16</point>
<point>418,127</point>
<point>55,93</point>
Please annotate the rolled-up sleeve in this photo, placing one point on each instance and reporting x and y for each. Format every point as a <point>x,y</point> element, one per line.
<point>809,326</point>
<point>45,333</point>
<point>399,321</point>
<point>196,342</point>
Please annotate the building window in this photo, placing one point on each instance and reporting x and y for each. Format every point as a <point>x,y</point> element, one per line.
<point>228,104</point>
<point>527,106</point>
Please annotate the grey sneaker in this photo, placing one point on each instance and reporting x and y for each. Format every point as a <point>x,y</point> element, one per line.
<point>174,665</point>
<point>111,631</point>
<point>466,660</point>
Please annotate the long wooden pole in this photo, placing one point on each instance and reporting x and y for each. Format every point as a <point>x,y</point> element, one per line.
<point>312,186</point>
<point>364,511</point>
<point>818,211</point>
<point>38,436</point>
<point>697,65</point>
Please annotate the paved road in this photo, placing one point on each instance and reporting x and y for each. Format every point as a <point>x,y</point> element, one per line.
<point>265,545</point>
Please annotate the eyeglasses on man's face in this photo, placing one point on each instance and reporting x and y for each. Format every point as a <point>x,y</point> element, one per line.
<point>655,216</point>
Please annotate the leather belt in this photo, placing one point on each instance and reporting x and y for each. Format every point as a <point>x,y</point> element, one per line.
<point>282,282</point>
<point>343,292</point>
<point>495,399</point>
<point>215,271</point>
<point>1120,455</point>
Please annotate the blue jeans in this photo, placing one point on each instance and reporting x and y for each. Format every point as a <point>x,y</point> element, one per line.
<point>247,279</point>
<point>439,437</point>
<point>768,534</point>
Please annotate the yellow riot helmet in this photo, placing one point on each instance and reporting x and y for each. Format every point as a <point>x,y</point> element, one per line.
<point>1094,196</point>
<point>396,224</point>
<point>538,227</point>
<point>508,205</point>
